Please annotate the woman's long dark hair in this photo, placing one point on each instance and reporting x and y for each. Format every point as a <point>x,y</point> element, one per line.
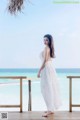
<point>50,44</point>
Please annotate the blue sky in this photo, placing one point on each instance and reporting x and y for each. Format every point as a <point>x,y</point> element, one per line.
<point>21,36</point>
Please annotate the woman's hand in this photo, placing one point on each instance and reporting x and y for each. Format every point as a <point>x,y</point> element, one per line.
<point>38,75</point>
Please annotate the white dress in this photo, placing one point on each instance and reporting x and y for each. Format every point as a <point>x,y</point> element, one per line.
<point>50,85</point>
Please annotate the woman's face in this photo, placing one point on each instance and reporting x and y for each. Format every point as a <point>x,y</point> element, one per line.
<point>46,41</point>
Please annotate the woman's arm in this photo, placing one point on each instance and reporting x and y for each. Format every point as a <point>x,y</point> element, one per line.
<point>46,51</point>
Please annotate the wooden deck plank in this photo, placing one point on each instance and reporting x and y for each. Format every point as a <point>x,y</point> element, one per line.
<point>37,115</point>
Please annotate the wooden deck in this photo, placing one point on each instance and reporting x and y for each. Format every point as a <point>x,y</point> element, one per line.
<point>37,115</point>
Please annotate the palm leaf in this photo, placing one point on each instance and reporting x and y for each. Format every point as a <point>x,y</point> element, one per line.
<point>15,6</point>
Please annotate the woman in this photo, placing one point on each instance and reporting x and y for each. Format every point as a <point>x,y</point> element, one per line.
<point>49,82</point>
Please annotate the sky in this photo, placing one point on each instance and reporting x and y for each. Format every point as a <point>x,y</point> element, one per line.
<point>21,36</point>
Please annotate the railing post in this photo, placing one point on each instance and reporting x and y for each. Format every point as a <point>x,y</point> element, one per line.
<point>20,78</point>
<point>20,94</point>
<point>29,94</point>
<point>70,94</point>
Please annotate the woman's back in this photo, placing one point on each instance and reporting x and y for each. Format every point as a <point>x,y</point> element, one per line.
<point>47,53</point>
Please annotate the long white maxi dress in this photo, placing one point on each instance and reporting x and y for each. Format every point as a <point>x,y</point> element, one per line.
<point>50,88</point>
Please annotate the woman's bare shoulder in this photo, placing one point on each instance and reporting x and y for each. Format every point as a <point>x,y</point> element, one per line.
<point>47,48</point>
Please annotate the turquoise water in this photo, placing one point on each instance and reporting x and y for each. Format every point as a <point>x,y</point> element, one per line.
<point>9,93</point>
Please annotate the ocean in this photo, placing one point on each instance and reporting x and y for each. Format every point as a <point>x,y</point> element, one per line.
<point>9,89</point>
